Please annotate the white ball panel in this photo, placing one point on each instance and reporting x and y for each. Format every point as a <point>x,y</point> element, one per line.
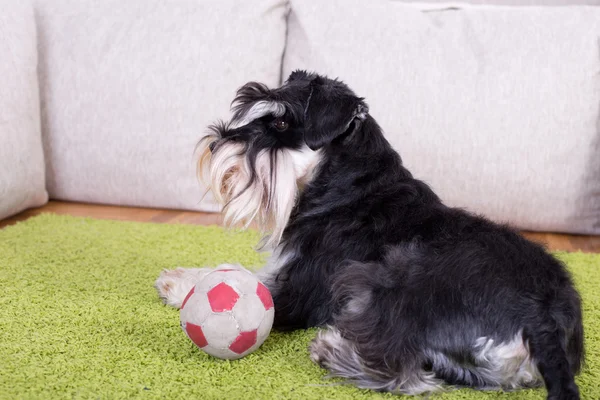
<point>196,309</point>
<point>211,280</point>
<point>220,330</point>
<point>249,311</point>
<point>264,329</point>
<point>241,281</point>
<point>247,283</point>
<point>224,354</point>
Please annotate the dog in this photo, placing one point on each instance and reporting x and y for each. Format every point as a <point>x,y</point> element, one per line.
<point>411,296</point>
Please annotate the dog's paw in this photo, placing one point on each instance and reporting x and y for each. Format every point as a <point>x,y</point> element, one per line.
<point>323,347</point>
<point>173,285</point>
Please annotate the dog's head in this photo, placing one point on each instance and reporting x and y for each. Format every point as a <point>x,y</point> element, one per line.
<point>256,163</point>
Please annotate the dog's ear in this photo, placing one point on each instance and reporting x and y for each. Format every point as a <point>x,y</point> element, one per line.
<point>330,109</point>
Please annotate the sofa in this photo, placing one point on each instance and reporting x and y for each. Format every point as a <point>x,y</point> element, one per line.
<point>495,104</point>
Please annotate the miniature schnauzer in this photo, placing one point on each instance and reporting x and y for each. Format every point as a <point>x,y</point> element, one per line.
<point>412,295</point>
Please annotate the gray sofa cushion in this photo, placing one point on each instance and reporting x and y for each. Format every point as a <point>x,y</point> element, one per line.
<point>511,2</point>
<point>22,182</point>
<point>129,87</point>
<point>497,108</point>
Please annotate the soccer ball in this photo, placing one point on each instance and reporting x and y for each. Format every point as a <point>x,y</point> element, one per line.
<point>228,313</point>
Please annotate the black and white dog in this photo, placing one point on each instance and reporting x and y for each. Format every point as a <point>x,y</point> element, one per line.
<point>412,295</point>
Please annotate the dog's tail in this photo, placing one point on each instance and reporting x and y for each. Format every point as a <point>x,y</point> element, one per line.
<point>571,330</point>
<point>575,347</point>
<point>355,282</point>
<point>557,343</point>
<point>554,363</point>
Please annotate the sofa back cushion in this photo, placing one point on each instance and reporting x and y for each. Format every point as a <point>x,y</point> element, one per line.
<point>498,109</point>
<point>507,2</point>
<point>22,182</point>
<point>129,87</point>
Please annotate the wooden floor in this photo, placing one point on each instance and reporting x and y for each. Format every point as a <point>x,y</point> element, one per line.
<point>551,240</point>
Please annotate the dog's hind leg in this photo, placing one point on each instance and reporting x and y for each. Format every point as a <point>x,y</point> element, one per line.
<point>371,343</point>
<point>343,359</point>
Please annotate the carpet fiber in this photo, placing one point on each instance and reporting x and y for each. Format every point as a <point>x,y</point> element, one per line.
<point>79,318</point>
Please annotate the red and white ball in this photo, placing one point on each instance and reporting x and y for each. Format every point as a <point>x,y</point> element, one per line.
<point>229,313</point>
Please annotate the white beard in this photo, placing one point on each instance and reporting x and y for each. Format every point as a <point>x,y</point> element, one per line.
<point>266,198</point>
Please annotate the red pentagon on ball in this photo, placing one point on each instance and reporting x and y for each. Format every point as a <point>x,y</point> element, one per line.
<point>264,295</point>
<point>196,335</point>
<point>243,342</point>
<point>222,297</point>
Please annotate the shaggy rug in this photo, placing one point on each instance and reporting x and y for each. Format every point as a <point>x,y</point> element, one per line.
<point>79,318</point>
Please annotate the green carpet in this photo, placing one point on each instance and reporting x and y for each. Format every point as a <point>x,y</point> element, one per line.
<point>79,319</point>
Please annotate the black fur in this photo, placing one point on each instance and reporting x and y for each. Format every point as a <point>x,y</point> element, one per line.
<point>436,278</point>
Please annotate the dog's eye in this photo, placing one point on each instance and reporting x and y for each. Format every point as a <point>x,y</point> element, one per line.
<point>280,125</point>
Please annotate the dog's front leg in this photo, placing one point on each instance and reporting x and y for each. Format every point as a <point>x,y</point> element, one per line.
<point>173,285</point>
